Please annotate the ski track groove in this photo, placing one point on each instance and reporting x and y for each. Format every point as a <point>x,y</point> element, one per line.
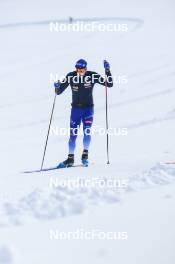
<point>153,121</point>
<point>139,22</point>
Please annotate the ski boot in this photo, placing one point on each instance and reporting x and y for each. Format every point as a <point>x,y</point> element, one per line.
<point>69,162</point>
<point>84,158</point>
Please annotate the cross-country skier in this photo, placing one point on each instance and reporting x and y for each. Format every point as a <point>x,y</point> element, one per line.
<point>82,83</point>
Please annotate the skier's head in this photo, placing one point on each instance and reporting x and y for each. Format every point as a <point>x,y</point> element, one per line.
<point>81,67</point>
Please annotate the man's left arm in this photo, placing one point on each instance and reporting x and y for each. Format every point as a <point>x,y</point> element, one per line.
<point>108,80</point>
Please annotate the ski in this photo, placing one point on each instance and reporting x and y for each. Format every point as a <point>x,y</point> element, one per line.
<point>169,162</point>
<point>54,168</point>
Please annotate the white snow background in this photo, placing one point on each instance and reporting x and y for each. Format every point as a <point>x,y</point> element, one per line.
<point>29,207</point>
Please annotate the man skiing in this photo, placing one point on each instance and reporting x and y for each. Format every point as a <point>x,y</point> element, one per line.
<point>82,82</point>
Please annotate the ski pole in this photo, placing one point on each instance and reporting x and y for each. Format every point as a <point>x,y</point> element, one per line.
<point>107,123</point>
<point>48,131</point>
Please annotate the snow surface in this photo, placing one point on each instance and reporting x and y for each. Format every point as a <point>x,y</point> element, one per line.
<point>29,206</point>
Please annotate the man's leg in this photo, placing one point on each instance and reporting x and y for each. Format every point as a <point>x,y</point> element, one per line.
<point>87,124</point>
<point>75,121</point>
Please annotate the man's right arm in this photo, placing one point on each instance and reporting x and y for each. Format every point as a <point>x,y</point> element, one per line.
<point>60,87</point>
